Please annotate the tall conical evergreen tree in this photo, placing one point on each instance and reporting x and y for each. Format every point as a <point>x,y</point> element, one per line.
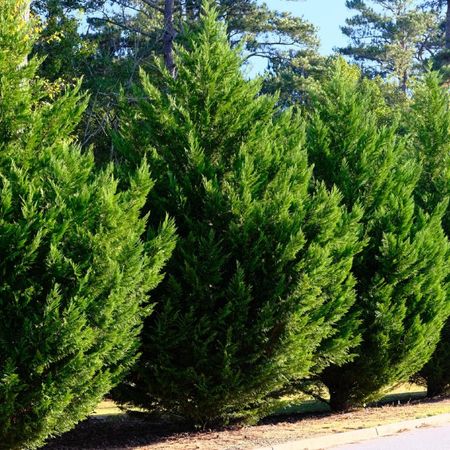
<point>428,125</point>
<point>401,289</point>
<point>258,287</point>
<point>74,273</point>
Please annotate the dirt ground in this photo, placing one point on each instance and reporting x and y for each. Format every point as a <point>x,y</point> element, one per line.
<point>121,431</point>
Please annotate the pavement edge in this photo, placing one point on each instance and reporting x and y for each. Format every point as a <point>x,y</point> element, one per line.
<point>349,437</point>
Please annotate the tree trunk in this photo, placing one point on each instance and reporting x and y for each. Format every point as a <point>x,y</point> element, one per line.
<point>340,385</point>
<point>26,13</point>
<point>436,387</point>
<point>340,401</point>
<point>404,81</point>
<point>168,36</point>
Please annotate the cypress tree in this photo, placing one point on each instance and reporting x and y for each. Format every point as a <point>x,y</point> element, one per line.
<point>74,272</point>
<point>400,288</point>
<point>428,125</point>
<point>259,284</point>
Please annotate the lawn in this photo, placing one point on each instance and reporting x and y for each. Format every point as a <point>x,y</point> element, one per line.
<point>111,428</point>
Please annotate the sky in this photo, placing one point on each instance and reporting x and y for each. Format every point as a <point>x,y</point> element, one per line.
<point>326,15</point>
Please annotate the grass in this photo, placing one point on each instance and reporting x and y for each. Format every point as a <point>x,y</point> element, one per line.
<point>303,404</point>
<point>107,408</point>
<point>300,418</point>
<point>299,404</point>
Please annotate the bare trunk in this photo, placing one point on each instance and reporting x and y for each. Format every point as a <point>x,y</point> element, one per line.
<point>168,36</point>
<point>26,13</point>
<point>404,81</point>
<point>434,388</point>
<point>437,384</point>
<point>340,404</point>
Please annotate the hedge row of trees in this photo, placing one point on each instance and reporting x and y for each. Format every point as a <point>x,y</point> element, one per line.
<point>284,249</point>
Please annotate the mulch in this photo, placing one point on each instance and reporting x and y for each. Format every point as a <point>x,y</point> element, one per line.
<point>127,432</point>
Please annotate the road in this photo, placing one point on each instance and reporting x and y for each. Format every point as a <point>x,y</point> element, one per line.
<point>422,439</point>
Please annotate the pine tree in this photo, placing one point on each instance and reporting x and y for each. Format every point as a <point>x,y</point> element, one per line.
<point>428,124</point>
<point>74,272</point>
<point>401,289</point>
<point>123,35</point>
<point>258,286</point>
<point>393,38</point>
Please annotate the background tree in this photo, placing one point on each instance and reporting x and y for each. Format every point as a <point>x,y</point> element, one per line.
<point>442,59</point>
<point>61,40</point>
<point>393,38</point>
<point>294,77</point>
<point>267,32</point>
<point>72,49</point>
<point>258,286</point>
<point>401,273</point>
<point>74,273</point>
<point>116,37</point>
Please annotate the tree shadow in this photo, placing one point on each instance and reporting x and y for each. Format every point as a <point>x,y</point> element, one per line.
<point>122,431</point>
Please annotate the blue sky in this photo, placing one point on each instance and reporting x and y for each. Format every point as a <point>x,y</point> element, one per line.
<point>327,15</point>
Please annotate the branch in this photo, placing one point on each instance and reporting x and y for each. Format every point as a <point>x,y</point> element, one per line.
<point>122,25</point>
<point>153,5</point>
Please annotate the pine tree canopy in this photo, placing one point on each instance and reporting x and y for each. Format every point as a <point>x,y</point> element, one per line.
<point>393,38</point>
<point>74,272</point>
<point>258,288</point>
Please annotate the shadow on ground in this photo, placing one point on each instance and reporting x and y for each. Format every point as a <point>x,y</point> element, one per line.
<point>115,432</point>
<point>124,431</point>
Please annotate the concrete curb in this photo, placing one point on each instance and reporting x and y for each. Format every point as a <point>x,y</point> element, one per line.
<point>349,437</point>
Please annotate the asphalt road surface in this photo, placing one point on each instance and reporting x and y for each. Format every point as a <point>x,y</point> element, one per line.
<point>421,439</point>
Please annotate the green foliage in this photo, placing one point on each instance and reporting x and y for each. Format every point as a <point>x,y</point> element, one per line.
<point>259,285</point>
<point>393,38</point>
<point>268,32</point>
<point>116,37</point>
<point>436,371</point>
<point>428,124</point>
<point>74,273</point>
<point>65,49</point>
<point>295,77</point>
<point>401,273</point>
<point>71,50</point>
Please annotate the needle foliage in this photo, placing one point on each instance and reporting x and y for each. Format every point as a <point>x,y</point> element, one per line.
<point>74,272</point>
<point>259,285</point>
<point>401,273</point>
<point>428,125</point>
